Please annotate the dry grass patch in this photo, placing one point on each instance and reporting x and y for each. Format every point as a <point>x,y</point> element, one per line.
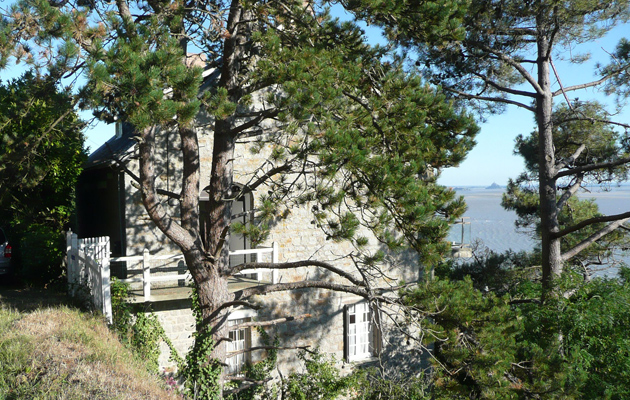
<point>60,353</point>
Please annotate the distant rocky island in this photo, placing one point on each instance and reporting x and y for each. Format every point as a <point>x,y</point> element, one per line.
<point>494,186</point>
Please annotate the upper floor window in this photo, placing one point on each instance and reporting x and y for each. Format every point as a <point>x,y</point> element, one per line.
<point>241,212</point>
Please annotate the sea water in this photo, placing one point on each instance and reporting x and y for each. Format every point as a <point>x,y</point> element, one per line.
<point>494,226</point>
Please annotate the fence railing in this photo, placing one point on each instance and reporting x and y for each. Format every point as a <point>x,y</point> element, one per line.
<point>89,263</point>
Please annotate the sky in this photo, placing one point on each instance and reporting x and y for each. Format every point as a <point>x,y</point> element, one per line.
<point>492,159</point>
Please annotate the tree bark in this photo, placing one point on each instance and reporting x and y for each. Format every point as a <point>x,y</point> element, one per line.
<point>551,253</point>
<point>212,284</point>
<point>189,198</point>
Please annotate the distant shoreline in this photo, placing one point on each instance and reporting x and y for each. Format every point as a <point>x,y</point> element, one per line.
<point>499,187</point>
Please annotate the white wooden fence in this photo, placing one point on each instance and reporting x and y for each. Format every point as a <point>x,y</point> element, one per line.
<point>89,269</point>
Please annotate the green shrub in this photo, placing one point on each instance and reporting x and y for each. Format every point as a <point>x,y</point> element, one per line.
<point>142,332</point>
<point>371,385</point>
<point>40,253</point>
<point>320,379</point>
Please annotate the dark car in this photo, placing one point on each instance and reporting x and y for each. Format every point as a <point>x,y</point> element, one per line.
<point>5,255</point>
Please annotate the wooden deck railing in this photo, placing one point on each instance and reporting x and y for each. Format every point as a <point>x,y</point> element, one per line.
<point>89,263</point>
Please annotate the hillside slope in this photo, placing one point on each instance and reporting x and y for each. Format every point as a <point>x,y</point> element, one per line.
<point>62,353</point>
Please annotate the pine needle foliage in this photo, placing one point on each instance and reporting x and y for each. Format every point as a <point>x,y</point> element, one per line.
<point>505,54</point>
<point>493,339</point>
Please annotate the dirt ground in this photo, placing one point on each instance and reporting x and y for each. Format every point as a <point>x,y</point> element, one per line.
<point>24,297</point>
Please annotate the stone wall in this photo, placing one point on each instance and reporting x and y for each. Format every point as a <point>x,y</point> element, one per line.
<point>179,325</point>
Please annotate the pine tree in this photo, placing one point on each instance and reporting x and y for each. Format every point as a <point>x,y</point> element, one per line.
<point>506,58</point>
<point>601,144</point>
<point>350,129</point>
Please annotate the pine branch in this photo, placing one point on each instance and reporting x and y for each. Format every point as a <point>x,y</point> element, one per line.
<point>504,89</point>
<point>269,174</point>
<point>296,264</point>
<point>517,66</point>
<point>595,237</point>
<point>189,201</point>
<point>601,121</point>
<point>254,121</point>
<point>566,98</point>
<point>593,83</point>
<point>276,321</point>
<point>595,220</point>
<point>592,167</point>
<point>255,348</point>
<point>229,304</point>
<point>154,207</point>
<point>525,301</point>
<point>123,166</point>
<point>221,242</point>
<point>280,287</point>
<point>569,192</point>
<point>568,161</point>
<point>469,96</point>
<point>125,15</point>
<point>250,383</point>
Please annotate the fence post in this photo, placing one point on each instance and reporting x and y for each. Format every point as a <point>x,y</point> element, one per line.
<point>146,274</point>
<point>73,276</point>
<point>274,259</point>
<point>69,259</point>
<point>105,280</point>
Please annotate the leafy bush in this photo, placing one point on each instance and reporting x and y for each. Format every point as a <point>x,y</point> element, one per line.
<point>40,253</point>
<point>41,156</point>
<point>141,332</point>
<point>372,385</point>
<point>320,379</point>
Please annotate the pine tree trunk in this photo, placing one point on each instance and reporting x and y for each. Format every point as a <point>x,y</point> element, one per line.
<point>212,287</point>
<point>551,253</point>
<point>212,290</point>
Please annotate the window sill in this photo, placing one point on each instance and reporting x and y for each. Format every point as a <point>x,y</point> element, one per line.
<point>363,361</point>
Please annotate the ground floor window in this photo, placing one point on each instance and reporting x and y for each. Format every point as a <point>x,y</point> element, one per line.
<point>240,340</point>
<point>361,331</point>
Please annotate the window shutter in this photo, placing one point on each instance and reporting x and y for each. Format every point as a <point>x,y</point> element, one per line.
<point>377,337</point>
<point>346,330</point>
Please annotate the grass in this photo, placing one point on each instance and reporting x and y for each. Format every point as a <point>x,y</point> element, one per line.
<point>62,353</point>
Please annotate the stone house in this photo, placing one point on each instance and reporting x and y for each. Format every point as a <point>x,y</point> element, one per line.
<point>109,204</point>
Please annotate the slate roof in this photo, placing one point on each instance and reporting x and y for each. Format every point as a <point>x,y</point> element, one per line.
<point>116,148</point>
<point>121,147</point>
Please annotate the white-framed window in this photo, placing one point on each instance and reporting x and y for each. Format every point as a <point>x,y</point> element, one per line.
<point>361,332</point>
<point>240,339</point>
<point>241,212</point>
